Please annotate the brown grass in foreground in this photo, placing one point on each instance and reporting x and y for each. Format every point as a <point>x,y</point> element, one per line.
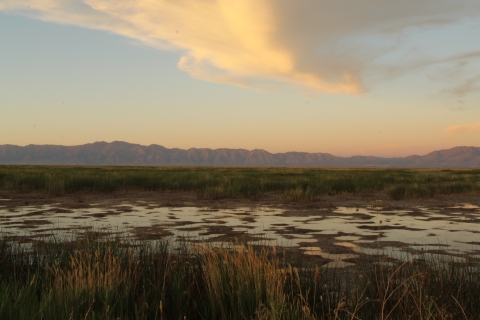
<point>107,278</point>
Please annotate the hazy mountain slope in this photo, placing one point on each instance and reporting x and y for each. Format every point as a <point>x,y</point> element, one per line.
<point>464,156</point>
<point>122,153</point>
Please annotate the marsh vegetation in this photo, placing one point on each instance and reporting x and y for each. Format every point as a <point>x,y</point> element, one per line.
<point>101,277</point>
<point>294,184</point>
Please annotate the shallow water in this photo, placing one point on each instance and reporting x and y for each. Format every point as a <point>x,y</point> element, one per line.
<point>316,232</point>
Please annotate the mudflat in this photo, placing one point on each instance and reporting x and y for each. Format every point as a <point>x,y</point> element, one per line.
<point>336,229</point>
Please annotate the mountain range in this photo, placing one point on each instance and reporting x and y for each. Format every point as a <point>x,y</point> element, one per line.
<point>123,153</point>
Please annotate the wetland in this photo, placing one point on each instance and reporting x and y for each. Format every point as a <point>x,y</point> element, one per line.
<point>236,243</point>
<point>338,229</point>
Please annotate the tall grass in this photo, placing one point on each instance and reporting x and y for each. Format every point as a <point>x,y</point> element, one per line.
<point>113,278</point>
<point>293,184</point>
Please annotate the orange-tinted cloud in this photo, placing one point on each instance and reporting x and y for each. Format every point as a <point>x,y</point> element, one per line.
<point>327,46</point>
<point>467,128</point>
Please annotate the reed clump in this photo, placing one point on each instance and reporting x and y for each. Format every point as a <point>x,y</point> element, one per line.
<point>98,277</point>
<point>300,194</point>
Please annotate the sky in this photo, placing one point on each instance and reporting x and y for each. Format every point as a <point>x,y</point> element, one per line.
<point>370,77</point>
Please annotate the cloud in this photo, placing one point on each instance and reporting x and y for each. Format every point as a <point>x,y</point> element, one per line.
<point>327,46</point>
<point>467,128</point>
<point>468,86</point>
<point>459,108</point>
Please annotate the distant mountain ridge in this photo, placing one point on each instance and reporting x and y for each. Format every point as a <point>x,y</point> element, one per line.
<point>123,153</point>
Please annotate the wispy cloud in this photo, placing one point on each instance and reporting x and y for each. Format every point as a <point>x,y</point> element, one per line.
<point>459,108</point>
<point>469,85</point>
<point>327,46</point>
<point>467,128</point>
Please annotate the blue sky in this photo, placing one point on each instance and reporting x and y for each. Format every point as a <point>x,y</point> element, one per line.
<point>392,87</point>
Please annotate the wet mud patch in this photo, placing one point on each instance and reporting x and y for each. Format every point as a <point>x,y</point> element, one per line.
<point>292,230</point>
<point>384,227</point>
<point>384,244</point>
<point>235,237</point>
<point>151,233</point>
<point>248,219</point>
<point>191,229</point>
<point>60,210</point>
<point>473,243</point>
<point>36,223</point>
<point>35,213</point>
<point>105,214</point>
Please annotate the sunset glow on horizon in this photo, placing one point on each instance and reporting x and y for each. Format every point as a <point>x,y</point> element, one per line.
<point>377,77</point>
